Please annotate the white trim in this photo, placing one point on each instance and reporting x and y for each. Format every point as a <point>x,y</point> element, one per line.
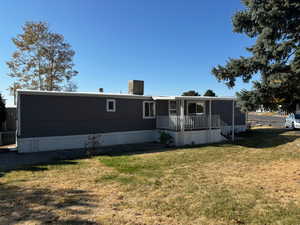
<point>154,110</point>
<point>195,98</point>
<point>107,105</point>
<point>116,95</point>
<point>182,125</point>
<point>84,94</point>
<point>233,121</point>
<point>40,144</point>
<point>209,119</point>
<point>170,109</point>
<point>18,132</point>
<point>164,97</point>
<point>196,102</point>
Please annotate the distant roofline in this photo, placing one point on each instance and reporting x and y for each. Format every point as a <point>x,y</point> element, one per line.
<point>115,95</point>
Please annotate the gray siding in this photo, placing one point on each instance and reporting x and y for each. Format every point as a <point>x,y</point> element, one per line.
<point>46,115</point>
<point>224,109</point>
<point>162,107</point>
<point>219,107</point>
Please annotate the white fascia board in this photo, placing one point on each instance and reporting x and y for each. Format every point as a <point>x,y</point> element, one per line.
<point>83,94</point>
<point>114,95</point>
<point>164,97</point>
<point>205,98</point>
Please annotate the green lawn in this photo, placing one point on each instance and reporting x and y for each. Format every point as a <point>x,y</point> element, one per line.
<point>254,181</point>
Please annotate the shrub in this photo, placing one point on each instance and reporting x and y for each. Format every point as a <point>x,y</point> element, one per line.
<point>166,139</point>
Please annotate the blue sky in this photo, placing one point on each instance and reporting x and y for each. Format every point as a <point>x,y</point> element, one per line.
<point>172,44</point>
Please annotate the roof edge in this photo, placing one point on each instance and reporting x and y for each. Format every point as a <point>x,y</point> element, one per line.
<point>193,98</point>
<point>82,94</point>
<point>114,95</point>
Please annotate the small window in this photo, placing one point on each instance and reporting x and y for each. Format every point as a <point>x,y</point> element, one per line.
<point>110,105</point>
<point>148,110</point>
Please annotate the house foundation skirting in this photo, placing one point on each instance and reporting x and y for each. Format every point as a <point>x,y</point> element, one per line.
<point>196,137</point>
<point>40,144</point>
<point>227,130</point>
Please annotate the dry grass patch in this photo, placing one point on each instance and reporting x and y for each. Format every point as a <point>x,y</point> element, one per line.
<point>255,181</point>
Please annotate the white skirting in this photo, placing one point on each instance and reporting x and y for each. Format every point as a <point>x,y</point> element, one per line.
<point>196,137</point>
<point>39,144</point>
<point>226,130</point>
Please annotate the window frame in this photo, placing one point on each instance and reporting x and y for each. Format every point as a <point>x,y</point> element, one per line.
<point>144,110</point>
<point>114,105</point>
<point>199,103</point>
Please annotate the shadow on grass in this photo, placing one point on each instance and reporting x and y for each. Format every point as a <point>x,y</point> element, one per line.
<point>38,167</point>
<point>42,205</point>
<point>255,138</point>
<point>266,137</point>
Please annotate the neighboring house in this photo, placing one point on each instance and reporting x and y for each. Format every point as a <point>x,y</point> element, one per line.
<point>8,128</point>
<point>261,109</point>
<point>63,120</point>
<point>297,108</point>
<point>10,123</point>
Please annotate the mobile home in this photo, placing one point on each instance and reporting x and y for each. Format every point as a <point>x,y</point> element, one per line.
<point>64,120</point>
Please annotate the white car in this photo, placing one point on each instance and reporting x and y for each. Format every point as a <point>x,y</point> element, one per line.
<point>293,121</point>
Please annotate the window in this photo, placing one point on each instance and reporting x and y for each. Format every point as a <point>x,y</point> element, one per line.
<point>148,110</point>
<point>172,108</point>
<point>110,105</point>
<point>196,108</point>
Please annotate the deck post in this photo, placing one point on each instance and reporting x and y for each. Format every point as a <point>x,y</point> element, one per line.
<point>182,116</point>
<point>209,123</point>
<point>233,122</point>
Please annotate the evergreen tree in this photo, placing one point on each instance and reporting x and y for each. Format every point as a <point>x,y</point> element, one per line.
<point>210,92</point>
<point>275,56</point>
<point>190,93</point>
<point>2,111</point>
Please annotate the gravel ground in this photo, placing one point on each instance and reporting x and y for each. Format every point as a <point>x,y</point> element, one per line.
<point>275,121</point>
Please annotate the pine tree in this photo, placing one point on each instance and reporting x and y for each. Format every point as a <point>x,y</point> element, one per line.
<point>191,93</point>
<point>275,56</point>
<point>210,92</point>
